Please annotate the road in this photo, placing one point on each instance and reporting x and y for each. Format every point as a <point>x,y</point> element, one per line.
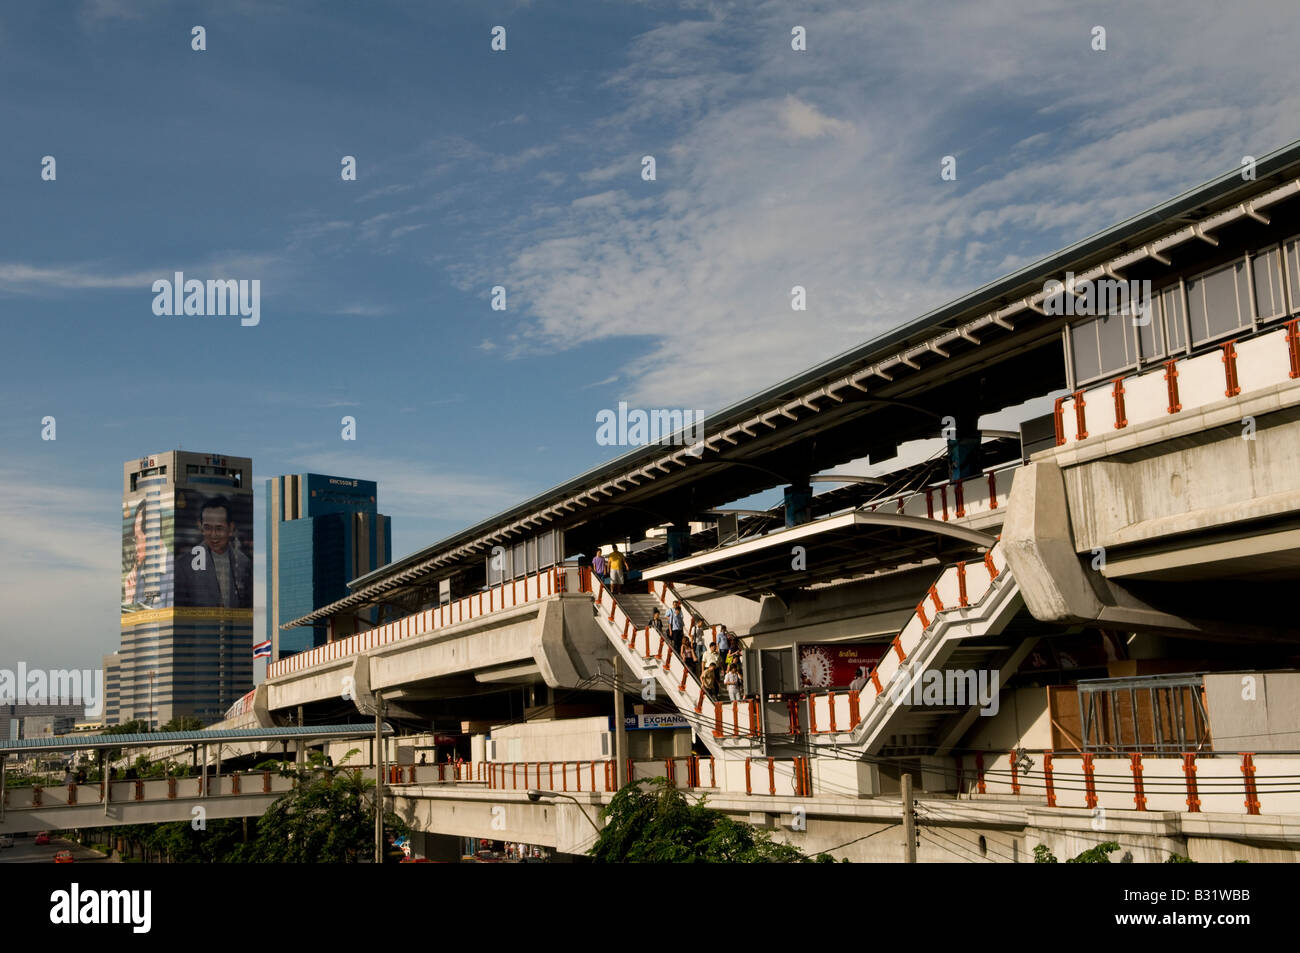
<point>25,851</point>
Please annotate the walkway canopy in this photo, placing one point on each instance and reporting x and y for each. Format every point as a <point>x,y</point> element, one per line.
<point>832,548</point>
<point>186,738</point>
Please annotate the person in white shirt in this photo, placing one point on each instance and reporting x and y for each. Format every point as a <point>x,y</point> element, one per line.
<point>732,681</point>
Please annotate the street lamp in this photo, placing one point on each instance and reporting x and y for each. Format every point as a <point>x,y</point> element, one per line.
<point>535,795</point>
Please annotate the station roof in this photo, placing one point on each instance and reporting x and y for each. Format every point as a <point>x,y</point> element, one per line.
<point>835,547</point>
<point>987,350</point>
<point>156,739</point>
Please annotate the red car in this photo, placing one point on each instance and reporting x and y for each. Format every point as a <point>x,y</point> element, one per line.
<point>42,838</point>
<point>63,857</point>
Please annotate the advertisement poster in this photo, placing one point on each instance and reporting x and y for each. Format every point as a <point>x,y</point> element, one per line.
<point>838,665</point>
<point>214,550</point>
<point>147,563</point>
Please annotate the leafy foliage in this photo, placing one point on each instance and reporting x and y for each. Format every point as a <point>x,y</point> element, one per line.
<point>1100,854</point>
<point>328,818</point>
<point>1096,855</point>
<point>650,821</point>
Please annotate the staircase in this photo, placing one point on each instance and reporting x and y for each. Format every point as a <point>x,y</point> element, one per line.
<point>949,631</point>
<point>728,729</point>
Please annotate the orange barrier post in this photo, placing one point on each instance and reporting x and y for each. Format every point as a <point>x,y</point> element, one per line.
<point>1230,368</point>
<point>988,564</point>
<point>771,775</point>
<point>72,791</point>
<point>1121,414</point>
<point>1047,777</point>
<point>993,491</point>
<point>1293,346</point>
<point>1015,773</point>
<point>1252,793</point>
<point>961,583</point>
<point>812,714</point>
<point>1080,418</point>
<point>1171,386</point>
<point>979,772</point>
<point>717,717</point>
<point>1089,783</point>
<point>1139,790</point>
<point>748,788</point>
<point>830,698</point>
<point>754,718</point>
<point>1189,771</point>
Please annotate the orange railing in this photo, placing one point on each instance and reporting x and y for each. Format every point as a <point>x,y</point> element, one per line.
<point>531,588</point>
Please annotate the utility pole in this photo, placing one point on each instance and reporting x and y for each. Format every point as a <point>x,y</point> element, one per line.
<point>909,822</point>
<point>620,726</point>
<point>379,777</point>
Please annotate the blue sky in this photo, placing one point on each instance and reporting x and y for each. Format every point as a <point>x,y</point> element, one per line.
<point>522,169</point>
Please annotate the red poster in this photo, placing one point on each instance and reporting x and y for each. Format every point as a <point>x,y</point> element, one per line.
<point>838,664</point>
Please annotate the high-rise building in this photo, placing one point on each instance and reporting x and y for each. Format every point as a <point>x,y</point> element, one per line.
<point>112,689</point>
<point>321,531</point>
<point>187,586</point>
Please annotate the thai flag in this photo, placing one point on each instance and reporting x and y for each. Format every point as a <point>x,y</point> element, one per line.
<point>262,649</point>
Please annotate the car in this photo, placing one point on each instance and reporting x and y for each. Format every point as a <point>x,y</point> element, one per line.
<point>6,840</point>
<point>42,838</point>
<point>63,857</point>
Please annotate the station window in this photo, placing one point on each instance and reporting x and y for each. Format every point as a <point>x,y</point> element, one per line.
<point>1270,296</point>
<point>1218,303</point>
<point>1102,346</point>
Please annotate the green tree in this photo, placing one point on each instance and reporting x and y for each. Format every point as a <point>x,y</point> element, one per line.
<point>650,821</point>
<point>183,723</point>
<point>1099,854</point>
<point>328,818</point>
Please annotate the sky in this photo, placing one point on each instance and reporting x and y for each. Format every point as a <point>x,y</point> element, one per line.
<point>523,168</point>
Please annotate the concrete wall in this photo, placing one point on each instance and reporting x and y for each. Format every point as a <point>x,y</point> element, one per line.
<point>1254,711</point>
<point>1022,721</point>
<point>569,739</point>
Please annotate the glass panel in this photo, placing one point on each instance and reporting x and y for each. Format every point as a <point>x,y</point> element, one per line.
<point>1083,344</point>
<point>1245,316</point>
<point>1221,301</point>
<point>1171,307</point>
<point>1196,310</point>
<point>1293,271</point>
<point>1115,338</point>
<point>518,563</point>
<point>1151,335</point>
<point>1266,268</point>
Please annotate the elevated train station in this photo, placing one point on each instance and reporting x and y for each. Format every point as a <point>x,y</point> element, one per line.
<point>1104,541</point>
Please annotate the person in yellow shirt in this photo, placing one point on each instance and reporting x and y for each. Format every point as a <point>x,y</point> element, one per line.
<point>617,563</point>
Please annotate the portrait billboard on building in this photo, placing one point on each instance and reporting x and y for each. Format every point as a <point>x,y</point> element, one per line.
<point>148,570</point>
<point>214,549</point>
<point>838,664</point>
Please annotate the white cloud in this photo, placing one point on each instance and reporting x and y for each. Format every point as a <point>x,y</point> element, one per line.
<point>822,170</point>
